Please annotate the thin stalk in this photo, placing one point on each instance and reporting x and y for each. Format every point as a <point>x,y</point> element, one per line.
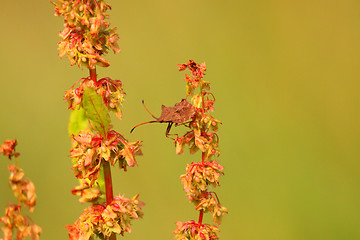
<point>108,188</point>
<point>108,183</point>
<point>93,74</point>
<point>201,216</point>
<point>17,162</point>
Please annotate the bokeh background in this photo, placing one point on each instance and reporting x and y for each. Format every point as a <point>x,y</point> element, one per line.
<point>286,79</point>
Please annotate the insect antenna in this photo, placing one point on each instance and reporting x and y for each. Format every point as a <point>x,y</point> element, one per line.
<point>143,103</point>
<point>141,124</point>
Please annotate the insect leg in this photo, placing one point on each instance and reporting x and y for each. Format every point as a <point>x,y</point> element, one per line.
<point>168,129</point>
<point>186,124</point>
<point>167,133</point>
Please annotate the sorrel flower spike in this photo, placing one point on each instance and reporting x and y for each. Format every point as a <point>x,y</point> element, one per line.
<point>200,175</point>
<point>87,35</point>
<point>24,190</point>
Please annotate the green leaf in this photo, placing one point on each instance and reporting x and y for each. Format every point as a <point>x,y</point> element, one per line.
<point>96,111</point>
<point>78,121</point>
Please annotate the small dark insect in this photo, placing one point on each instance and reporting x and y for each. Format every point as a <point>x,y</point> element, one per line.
<point>181,112</point>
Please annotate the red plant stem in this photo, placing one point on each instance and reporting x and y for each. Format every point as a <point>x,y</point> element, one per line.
<point>93,74</point>
<point>203,156</point>
<point>201,216</point>
<point>108,188</point>
<point>108,183</point>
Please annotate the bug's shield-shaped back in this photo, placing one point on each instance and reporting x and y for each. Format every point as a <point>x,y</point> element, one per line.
<point>183,111</point>
<point>179,113</point>
<point>166,114</point>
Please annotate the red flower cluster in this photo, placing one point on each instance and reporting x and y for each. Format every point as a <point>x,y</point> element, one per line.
<point>110,90</point>
<point>24,191</point>
<point>24,188</point>
<point>195,231</point>
<point>8,148</point>
<point>86,36</point>
<point>90,150</point>
<point>200,175</point>
<point>14,220</point>
<point>103,221</point>
<point>197,73</point>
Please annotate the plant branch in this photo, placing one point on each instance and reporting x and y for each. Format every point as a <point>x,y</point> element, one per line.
<point>93,74</point>
<point>201,216</point>
<point>108,188</point>
<point>108,183</point>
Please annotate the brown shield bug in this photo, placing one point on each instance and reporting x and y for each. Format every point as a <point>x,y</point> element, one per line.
<point>179,113</point>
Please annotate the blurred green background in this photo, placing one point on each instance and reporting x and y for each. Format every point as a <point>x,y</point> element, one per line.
<point>286,79</point>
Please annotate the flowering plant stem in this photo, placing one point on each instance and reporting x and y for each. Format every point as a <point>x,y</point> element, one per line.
<point>108,188</point>
<point>201,214</point>
<point>15,223</point>
<point>200,175</point>
<point>86,38</point>
<point>93,74</point>
<point>106,167</point>
<point>108,183</point>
